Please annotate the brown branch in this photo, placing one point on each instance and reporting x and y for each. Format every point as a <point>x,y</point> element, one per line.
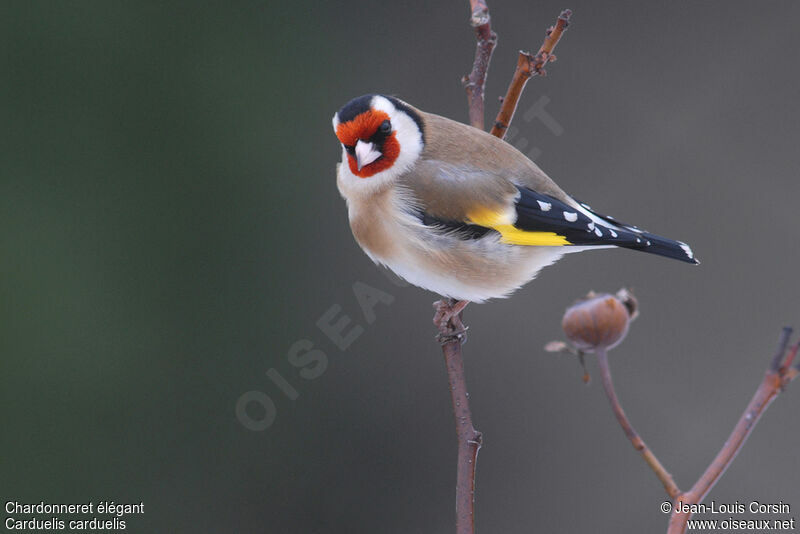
<point>597,323</point>
<point>637,442</point>
<point>779,374</point>
<point>452,334</point>
<point>475,82</point>
<point>527,66</point>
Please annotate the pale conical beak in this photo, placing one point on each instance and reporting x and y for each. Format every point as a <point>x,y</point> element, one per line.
<point>365,153</point>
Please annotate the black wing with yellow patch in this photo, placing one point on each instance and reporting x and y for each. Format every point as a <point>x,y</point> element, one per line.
<point>542,220</point>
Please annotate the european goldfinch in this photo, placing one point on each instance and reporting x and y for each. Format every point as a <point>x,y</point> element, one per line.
<point>455,210</point>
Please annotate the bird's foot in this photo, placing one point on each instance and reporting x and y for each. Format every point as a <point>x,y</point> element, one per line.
<point>448,320</point>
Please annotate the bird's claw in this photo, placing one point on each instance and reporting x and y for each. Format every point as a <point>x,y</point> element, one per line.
<point>448,320</point>
<point>456,335</point>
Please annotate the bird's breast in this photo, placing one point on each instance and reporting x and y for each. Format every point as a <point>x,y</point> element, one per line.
<point>380,226</point>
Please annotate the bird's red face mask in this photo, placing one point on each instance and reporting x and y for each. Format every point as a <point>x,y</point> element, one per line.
<point>370,142</point>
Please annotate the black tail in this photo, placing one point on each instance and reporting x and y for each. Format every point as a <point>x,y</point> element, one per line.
<point>655,244</point>
<point>537,212</point>
<point>635,239</point>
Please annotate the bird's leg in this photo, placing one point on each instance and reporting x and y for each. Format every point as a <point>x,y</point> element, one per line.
<point>448,310</point>
<point>448,320</point>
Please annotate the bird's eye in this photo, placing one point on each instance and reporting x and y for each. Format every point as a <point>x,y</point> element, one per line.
<point>350,149</point>
<point>385,127</point>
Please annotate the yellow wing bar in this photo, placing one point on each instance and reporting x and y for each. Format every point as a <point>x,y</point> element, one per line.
<point>501,222</point>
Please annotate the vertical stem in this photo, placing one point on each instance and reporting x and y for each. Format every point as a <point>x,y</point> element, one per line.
<point>637,442</point>
<point>469,439</point>
<point>475,82</point>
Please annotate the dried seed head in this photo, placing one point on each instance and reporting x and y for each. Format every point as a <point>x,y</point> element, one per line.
<point>599,321</point>
<point>631,304</point>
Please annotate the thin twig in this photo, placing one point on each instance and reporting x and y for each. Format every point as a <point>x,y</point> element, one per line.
<point>783,343</point>
<point>451,336</point>
<point>637,442</point>
<point>529,65</point>
<point>775,380</point>
<point>475,82</point>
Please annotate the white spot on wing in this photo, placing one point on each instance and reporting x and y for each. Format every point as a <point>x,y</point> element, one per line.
<point>598,232</point>
<point>613,233</point>
<point>571,216</point>
<point>583,209</point>
<point>544,206</point>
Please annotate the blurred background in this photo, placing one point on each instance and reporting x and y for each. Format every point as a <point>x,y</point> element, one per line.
<point>171,228</point>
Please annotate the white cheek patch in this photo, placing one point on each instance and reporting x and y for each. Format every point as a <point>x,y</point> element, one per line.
<point>408,136</point>
<point>383,104</point>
